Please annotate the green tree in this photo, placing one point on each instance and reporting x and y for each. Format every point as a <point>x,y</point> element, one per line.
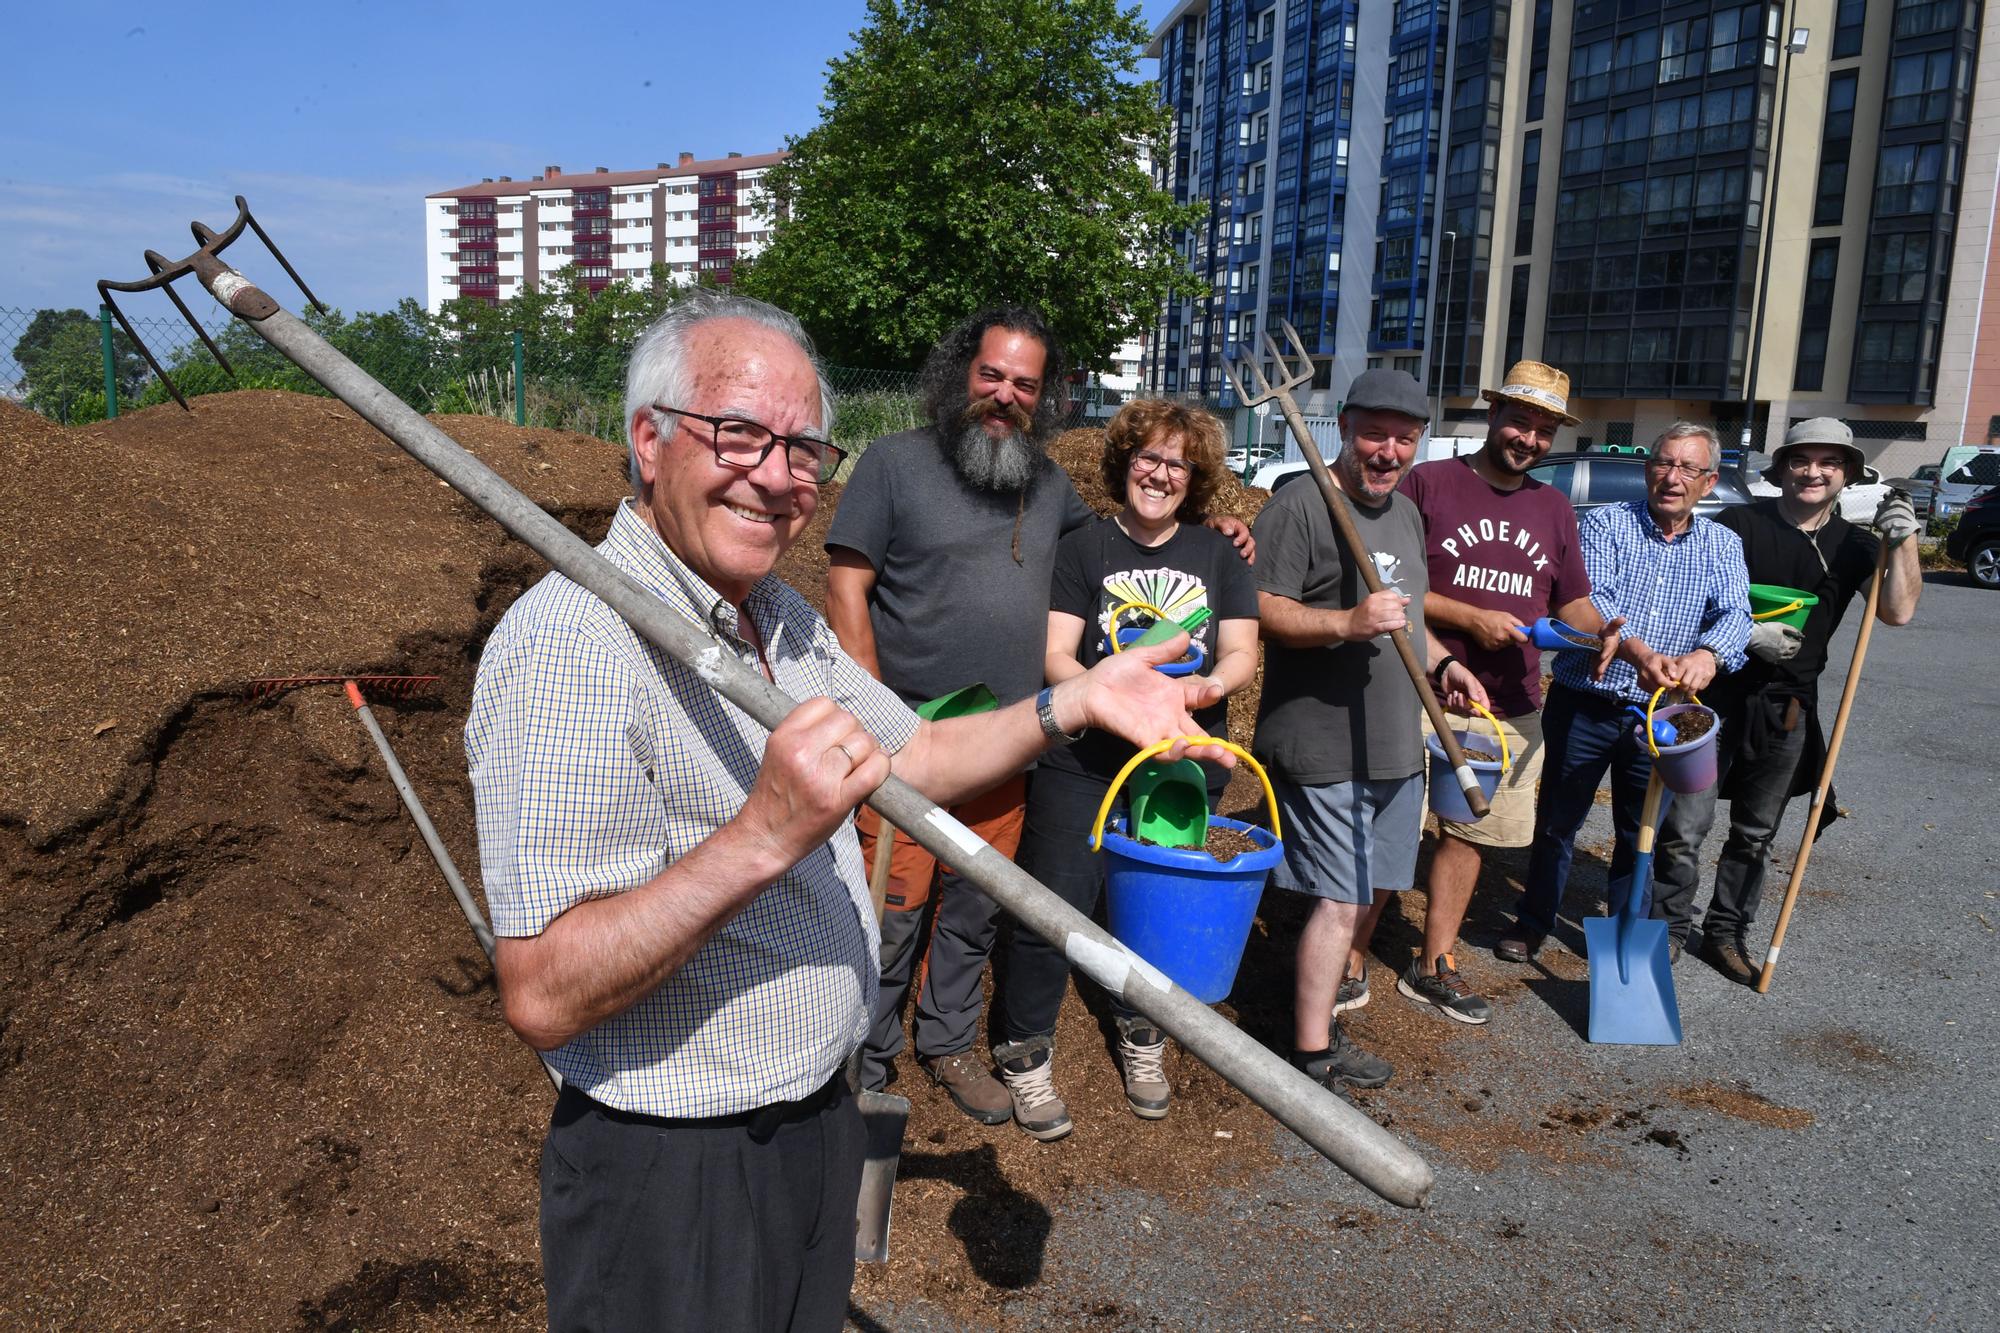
<point>61,355</point>
<point>970,152</point>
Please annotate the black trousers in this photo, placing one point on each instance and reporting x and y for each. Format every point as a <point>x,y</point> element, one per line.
<point>742,1225</point>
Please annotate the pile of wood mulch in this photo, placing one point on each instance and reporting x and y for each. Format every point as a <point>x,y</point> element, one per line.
<point>251,1064</point>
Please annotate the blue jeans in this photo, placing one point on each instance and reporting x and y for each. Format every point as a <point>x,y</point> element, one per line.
<point>1585,735</point>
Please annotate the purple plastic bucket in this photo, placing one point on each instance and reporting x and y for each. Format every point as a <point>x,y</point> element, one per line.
<point>1690,768</point>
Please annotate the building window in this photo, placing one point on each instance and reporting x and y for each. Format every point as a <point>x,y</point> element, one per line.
<point>1524,215</point>
<point>1898,267</point>
<point>1907,178</point>
<point>1849,17</point>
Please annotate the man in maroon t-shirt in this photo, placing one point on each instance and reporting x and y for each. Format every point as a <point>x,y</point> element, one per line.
<point>1502,551</point>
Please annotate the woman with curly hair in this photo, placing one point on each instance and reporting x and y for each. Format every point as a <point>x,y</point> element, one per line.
<point>1165,460</point>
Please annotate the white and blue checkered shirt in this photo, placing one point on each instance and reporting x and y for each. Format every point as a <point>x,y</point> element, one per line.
<point>597,760</point>
<point>1692,592</point>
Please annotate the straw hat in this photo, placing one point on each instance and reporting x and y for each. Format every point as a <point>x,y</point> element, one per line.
<point>1818,430</point>
<point>1537,385</point>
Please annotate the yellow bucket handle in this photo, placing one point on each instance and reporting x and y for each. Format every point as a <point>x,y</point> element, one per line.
<point>1161,747</point>
<point>1120,610</point>
<point>1506,759</point>
<point>1777,611</point>
<point>1652,742</point>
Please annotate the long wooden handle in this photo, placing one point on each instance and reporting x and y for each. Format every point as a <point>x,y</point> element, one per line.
<point>1826,772</point>
<point>1364,559</point>
<point>878,874</point>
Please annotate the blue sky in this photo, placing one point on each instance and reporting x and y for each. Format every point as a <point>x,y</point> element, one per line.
<point>120,122</point>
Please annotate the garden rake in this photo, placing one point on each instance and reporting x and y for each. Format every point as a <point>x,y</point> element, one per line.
<point>1358,553</point>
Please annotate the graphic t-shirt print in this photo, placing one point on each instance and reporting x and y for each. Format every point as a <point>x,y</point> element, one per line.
<point>1132,596</point>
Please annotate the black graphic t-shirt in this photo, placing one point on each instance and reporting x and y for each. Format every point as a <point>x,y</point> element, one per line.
<point>1099,570</point>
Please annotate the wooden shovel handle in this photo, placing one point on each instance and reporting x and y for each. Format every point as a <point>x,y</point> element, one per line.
<point>1364,560</point>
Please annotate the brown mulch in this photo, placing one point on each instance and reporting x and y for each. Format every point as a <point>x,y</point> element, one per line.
<point>252,1068</point>
<point>1743,1104</point>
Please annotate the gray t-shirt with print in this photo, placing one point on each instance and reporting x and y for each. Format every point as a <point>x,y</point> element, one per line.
<point>961,574</point>
<point>1345,711</point>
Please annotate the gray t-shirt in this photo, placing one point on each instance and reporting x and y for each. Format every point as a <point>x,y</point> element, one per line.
<point>953,605</point>
<point>1345,711</point>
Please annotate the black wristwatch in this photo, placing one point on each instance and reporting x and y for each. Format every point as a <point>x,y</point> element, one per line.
<point>1437,672</point>
<point>1045,710</point>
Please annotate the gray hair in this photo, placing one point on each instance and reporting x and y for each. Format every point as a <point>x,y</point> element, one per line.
<point>659,371</point>
<point>1690,430</point>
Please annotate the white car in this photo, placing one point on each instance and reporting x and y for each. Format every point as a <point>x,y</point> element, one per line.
<point>1858,499</point>
<point>1237,459</point>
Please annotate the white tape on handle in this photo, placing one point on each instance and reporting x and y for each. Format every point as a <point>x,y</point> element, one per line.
<point>1111,967</point>
<point>1467,779</point>
<point>961,837</point>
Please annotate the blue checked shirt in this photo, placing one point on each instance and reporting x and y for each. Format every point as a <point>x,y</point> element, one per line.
<point>596,761</point>
<point>1692,592</point>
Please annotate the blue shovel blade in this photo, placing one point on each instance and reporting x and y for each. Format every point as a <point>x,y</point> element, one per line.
<point>1632,999</point>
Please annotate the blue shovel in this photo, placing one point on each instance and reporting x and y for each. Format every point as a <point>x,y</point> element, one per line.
<point>1631,976</point>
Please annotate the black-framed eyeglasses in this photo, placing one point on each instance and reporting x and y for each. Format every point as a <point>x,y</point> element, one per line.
<point>744,445</point>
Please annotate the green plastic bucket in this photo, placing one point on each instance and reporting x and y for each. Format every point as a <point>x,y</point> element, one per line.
<point>1787,606</point>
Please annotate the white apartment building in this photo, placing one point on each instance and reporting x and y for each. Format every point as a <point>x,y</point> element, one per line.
<point>500,237</point>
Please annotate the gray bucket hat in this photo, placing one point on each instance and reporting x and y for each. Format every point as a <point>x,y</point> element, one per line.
<point>1829,431</point>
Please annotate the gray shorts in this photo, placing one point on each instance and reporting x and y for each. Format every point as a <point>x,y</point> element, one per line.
<point>1349,841</point>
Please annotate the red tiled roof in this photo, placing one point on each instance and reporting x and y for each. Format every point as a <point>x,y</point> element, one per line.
<point>583,180</point>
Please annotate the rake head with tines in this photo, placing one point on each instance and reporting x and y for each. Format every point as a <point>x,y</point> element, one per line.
<point>1292,379</point>
<point>381,687</point>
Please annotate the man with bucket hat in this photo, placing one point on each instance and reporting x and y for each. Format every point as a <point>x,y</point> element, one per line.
<point>1771,749</point>
<point>1502,550</point>
<point>1678,582</point>
<point>1337,720</point>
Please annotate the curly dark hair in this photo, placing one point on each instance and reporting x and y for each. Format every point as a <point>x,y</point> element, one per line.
<point>941,384</point>
<point>1145,421</point>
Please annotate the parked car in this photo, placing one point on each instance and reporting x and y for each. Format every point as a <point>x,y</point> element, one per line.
<point>1921,486</point>
<point>1967,470</point>
<point>1976,540</point>
<point>1253,457</point>
<point>1593,479</point>
<point>1858,499</point>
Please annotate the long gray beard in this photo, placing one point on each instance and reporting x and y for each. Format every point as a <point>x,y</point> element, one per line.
<point>1006,464</point>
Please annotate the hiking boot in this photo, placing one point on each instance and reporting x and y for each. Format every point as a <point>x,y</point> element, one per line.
<point>1729,957</point>
<point>1675,947</point>
<point>1142,1053</point>
<point>972,1087</point>
<point>1344,1062</point>
<point>1518,946</point>
<point>1353,992</point>
<point>1444,991</point>
<point>1028,1069</point>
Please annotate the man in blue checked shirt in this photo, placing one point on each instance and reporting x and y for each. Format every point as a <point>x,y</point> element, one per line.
<point>1679,583</point>
<point>685,928</point>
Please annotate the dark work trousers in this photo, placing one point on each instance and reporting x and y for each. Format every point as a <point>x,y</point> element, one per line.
<point>1762,773</point>
<point>1055,849</point>
<point>707,1227</point>
<point>1585,735</point>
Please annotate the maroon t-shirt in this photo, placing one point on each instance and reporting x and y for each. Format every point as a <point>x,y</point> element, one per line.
<point>1514,551</point>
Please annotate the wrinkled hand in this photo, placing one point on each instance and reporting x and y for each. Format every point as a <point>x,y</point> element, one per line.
<point>1611,635</point>
<point>1377,614</point>
<point>1773,642</point>
<point>1496,629</point>
<point>1693,671</point>
<point>818,765</point>
<point>1238,533</point>
<point>1124,695</point>
<point>1656,671</point>
<point>1458,686</point>
<point>1896,519</point>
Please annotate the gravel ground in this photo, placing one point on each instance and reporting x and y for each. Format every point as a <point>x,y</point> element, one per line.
<point>1820,1157</point>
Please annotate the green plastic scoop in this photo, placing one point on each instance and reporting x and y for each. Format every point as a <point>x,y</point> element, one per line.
<point>959,703</point>
<point>1170,803</point>
<point>1163,629</point>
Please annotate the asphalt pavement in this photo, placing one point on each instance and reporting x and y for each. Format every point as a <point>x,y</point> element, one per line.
<point>1820,1157</point>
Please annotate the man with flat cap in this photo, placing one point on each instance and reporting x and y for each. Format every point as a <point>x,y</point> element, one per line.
<point>1337,724</point>
<point>1771,749</point>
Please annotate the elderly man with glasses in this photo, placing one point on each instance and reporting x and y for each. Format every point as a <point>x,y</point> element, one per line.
<point>684,924</point>
<point>1679,583</point>
<point>1771,749</point>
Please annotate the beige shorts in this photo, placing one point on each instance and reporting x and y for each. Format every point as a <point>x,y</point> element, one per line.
<point>1511,821</point>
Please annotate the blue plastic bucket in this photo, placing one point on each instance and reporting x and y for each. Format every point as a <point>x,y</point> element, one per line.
<point>1446,796</point>
<point>1182,910</point>
<point>1128,633</point>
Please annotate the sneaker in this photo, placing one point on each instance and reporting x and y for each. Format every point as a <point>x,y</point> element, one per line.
<point>1518,946</point>
<point>1344,1062</point>
<point>1142,1052</point>
<point>972,1087</point>
<point>1353,992</point>
<point>1729,957</point>
<point>1444,991</point>
<point>1028,1069</point>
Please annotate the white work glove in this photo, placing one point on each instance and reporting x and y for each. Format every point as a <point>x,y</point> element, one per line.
<point>1774,642</point>
<point>1896,520</point>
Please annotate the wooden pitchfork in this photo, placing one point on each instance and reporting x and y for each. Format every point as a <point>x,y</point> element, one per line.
<point>1280,392</point>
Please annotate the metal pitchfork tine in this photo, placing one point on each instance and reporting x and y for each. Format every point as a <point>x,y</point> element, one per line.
<point>165,271</point>
<point>1280,392</point>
